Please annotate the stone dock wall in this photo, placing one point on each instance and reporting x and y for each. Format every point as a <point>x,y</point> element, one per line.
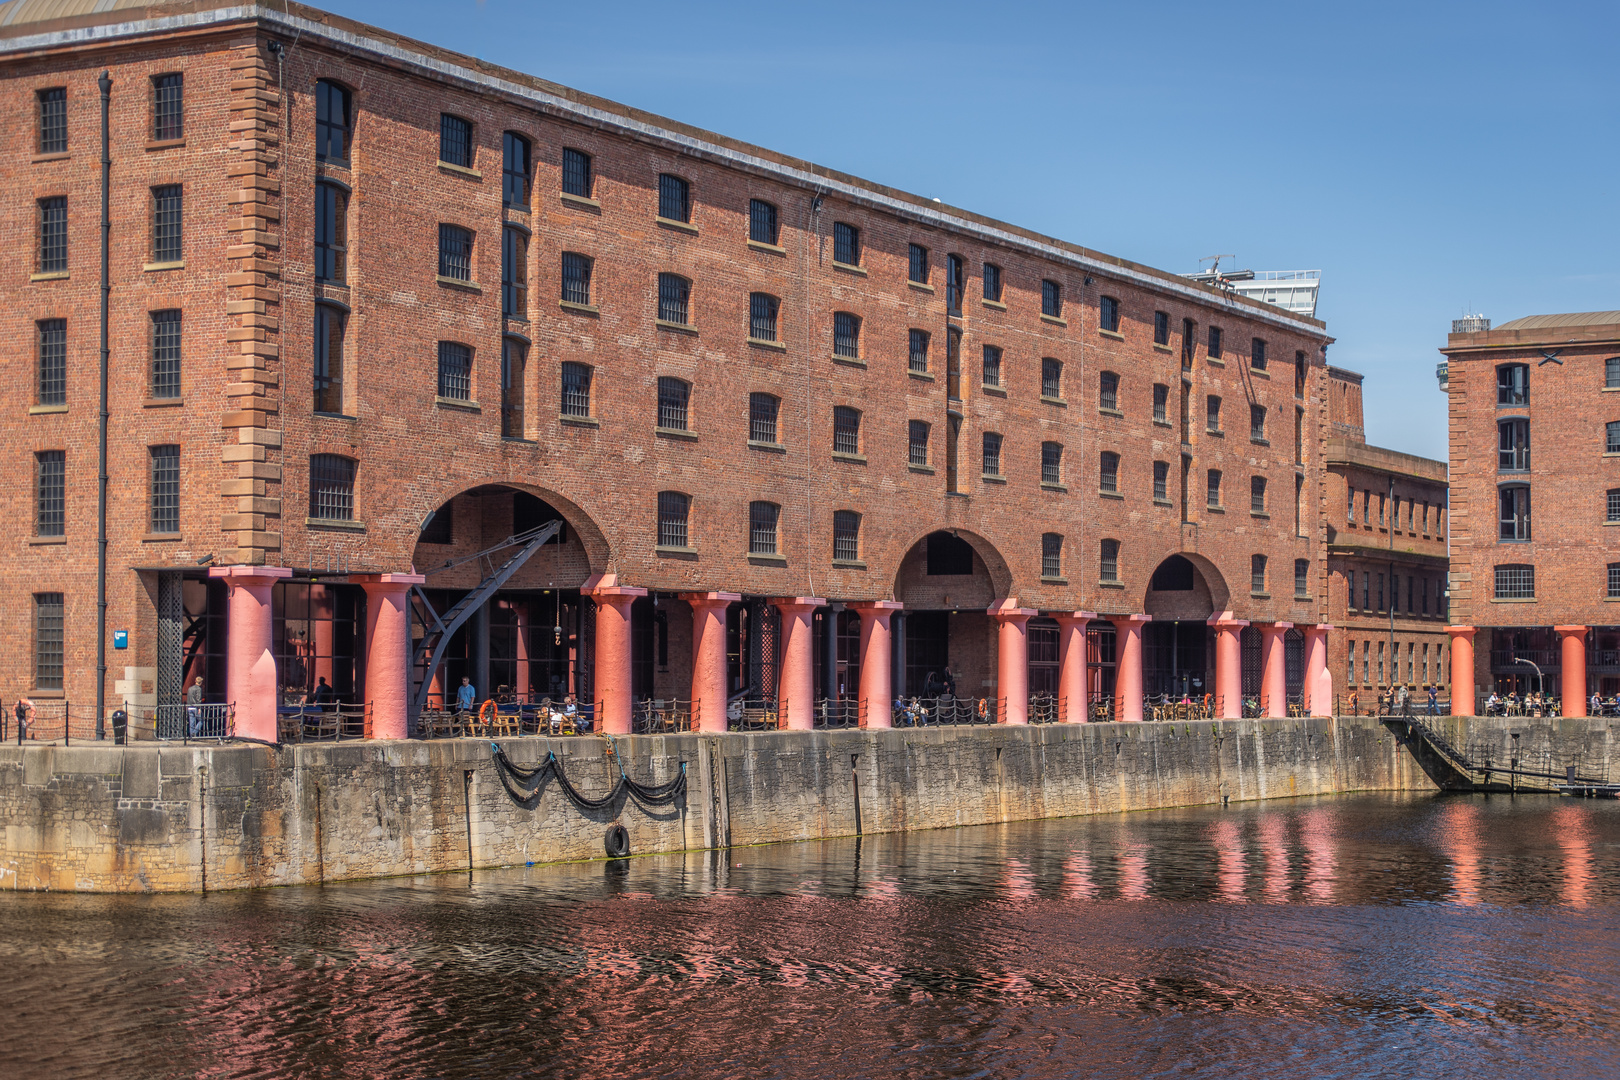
<point>183,818</point>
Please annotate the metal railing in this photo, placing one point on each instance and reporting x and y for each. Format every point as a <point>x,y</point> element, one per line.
<point>1518,705</point>
<point>844,713</point>
<point>332,721</point>
<point>60,722</point>
<point>754,714</point>
<point>662,716</point>
<point>938,711</point>
<point>1043,709</point>
<point>1182,708</point>
<point>509,719</point>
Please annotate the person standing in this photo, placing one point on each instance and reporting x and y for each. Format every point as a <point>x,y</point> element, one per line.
<point>24,707</point>
<point>1434,702</point>
<point>947,683</point>
<point>194,702</point>
<point>466,696</point>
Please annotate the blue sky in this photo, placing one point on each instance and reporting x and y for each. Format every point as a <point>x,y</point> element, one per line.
<point>1426,157</point>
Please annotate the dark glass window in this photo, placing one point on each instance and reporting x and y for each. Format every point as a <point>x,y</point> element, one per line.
<point>514,273</point>
<point>455,371</point>
<point>992,282</point>
<point>674,292</point>
<point>917,442</point>
<point>165,489</point>
<point>954,283</point>
<point>514,362</point>
<point>1052,299</point>
<point>1108,314</point>
<point>762,310</point>
<point>674,198</point>
<point>846,244</point>
<point>762,224</point>
<point>1109,471</point>
<point>1257,494</point>
<point>576,389</point>
<point>455,141</point>
<point>1051,555</point>
<point>1515,513</point>
<point>918,360</point>
<point>1614,581</point>
<point>919,264</point>
<point>1051,377</point>
<point>52,361</point>
<point>1611,437</point>
<point>762,527</point>
<point>846,430</point>
<point>576,278</point>
<point>1161,479</point>
<point>762,410</point>
<point>846,536</point>
<point>1161,403</point>
<point>168,106</point>
<point>1109,559</point>
<point>576,173</point>
<point>1612,507</point>
<point>1302,578</point>
<point>1257,573</point>
<point>333,127</point>
<point>166,340</point>
<point>1513,384</point>
<point>329,331</point>
<point>1257,422</point>
<point>992,366</point>
<point>1257,354</point>
<point>516,170</point>
<point>1161,328</point>
<point>1513,446</point>
<point>1108,391</point>
<point>1214,343</point>
<point>674,508</point>
<point>166,224</point>
<point>455,252</point>
<point>673,396</point>
<point>48,641</point>
<point>331,233</point>
<point>50,489</point>
<point>331,487</point>
<point>53,239</point>
<point>1611,373</point>
<point>1052,463</point>
<point>846,335</point>
<point>992,454</point>
<point>1214,497</point>
<point>53,120</point>
<point>1299,374</point>
<point>1515,582</point>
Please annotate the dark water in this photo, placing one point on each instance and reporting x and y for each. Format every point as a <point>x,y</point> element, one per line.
<point>1344,937</point>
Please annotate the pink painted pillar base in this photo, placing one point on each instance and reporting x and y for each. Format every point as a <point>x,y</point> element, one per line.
<point>877,699</point>
<point>709,656</point>
<point>388,648</point>
<point>1572,669</point>
<point>611,682</point>
<point>1462,670</point>
<point>796,686</point>
<point>1072,665</point>
<point>1128,665</point>
<point>1318,679</point>
<point>1274,669</point>
<point>1012,659</point>
<point>251,685</point>
<point>1228,665</point>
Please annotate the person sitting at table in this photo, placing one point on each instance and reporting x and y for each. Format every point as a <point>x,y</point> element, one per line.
<point>571,714</point>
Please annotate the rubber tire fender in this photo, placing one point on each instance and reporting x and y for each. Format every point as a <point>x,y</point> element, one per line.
<point>617,842</point>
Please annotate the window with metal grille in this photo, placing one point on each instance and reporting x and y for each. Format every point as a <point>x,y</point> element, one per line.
<point>1299,374</point>
<point>455,252</point>
<point>1257,354</point>
<point>992,454</point>
<point>455,141</point>
<point>919,264</point>
<point>166,223</point>
<point>1051,555</point>
<point>1613,504</point>
<point>1108,314</point>
<point>165,489</point>
<point>1257,423</point>
<point>330,324</point>
<point>331,233</point>
<point>1213,499</point>
<point>516,156</point>
<point>48,641</point>
<point>992,366</point>
<point>168,106</point>
<point>673,395</point>
<point>576,389</point>
<point>762,409</point>
<point>331,487</point>
<point>1214,343</point>
<point>1051,378</point>
<point>53,120</point>
<point>1108,552</point>
<point>918,442</point>
<point>674,509</point>
<point>333,127</point>
<point>514,363</point>
<point>455,370</point>
<point>1611,373</point>
<point>1514,513</point>
<point>846,536</point>
<point>1302,578</point>
<point>53,238</point>
<point>1161,403</point>
<point>674,292</point>
<point>514,273</point>
<point>918,361</point>
<point>1161,328</point>
<point>50,492</point>
<point>1257,573</point>
<point>1515,581</point>
<point>762,223</point>
<point>576,173</point>
<point>1052,463</point>
<point>1513,384</point>
<point>762,527</point>
<point>576,278</point>
<point>846,430</point>
<point>1513,446</point>
<point>762,311</point>
<point>52,387</point>
<point>674,198</point>
<point>1052,299</point>
<point>846,244</point>
<point>1257,494</point>
<point>955,282</point>
<point>992,282</point>
<point>846,335</point>
<point>1108,476</point>
<point>1611,437</point>
<point>1161,480</point>
<point>1614,581</point>
<point>1108,391</point>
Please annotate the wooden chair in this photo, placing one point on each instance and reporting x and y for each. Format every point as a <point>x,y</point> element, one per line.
<point>320,725</point>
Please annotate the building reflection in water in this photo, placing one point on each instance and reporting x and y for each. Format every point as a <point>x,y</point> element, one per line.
<point>1133,873</point>
<point>1571,825</point>
<point>1077,880</point>
<point>1231,864</point>
<point>1316,829</point>
<point>1459,841</point>
<point>1274,845</point>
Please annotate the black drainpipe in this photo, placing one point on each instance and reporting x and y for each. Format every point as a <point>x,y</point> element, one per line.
<point>101,500</point>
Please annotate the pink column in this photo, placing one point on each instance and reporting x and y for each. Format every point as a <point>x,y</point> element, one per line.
<point>1229,664</point>
<point>1274,668</point>
<point>796,686</point>
<point>321,640</point>
<point>1318,679</point>
<point>388,649</point>
<point>1012,659</point>
<point>709,656</point>
<point>1572,669</point>
<point>611,684</point>
<point>877,699</point>
<point>1462,670</point>
<point>1128,665</point>
<point>522,617</point>
<point>1072,665</point>
<point>250,663</point>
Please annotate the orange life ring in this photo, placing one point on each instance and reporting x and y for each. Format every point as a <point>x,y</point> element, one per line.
<point>486,711</point>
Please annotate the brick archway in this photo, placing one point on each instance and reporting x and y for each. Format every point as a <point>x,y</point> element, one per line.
<point>583,538</point>
<point>989,577</point>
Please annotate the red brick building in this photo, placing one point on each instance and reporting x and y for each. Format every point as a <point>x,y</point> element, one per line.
<point>376,308</point>
<point>1532,594</point>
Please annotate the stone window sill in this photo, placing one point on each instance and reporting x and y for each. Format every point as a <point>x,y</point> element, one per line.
<point>520,222</point>
<point>162,538</point>
<point>848,564</point>
<point>675,433</point>
<point>992,478</point>
<point>37,541</point>
<point>1513,599</point>
<point>996,304</point>
<point>582,309</point>
<point>457,403</point>
<point>1213,509</point>
<point>1054,320</point>
<point>927,470</point>
<point>1259,442</point>
<point>663,550</point>
<point>1163,502</point>
<point>1259,373</point>
<point>849,361</point>
<point>768,447</point>
<point>580,421</point>
<point>767,560</point>
<point>995,391</point>
<point>323,415</point>
<point>1110,495</point>
<point>580,201</point>
<point>849,268</point>
<point>857,459</point>
<point>1217,361</point>
<point>461,170</point>
<point>761,343</point>
<point>514,329</point>
<point>677,226</point>
<point>1215,433</point>
<point>65,155</point>
<point>48,695</point>
<point>1259,514</point>
<point>50,275</point>
<point>676,327</point>
<point>921,286</point>
<point>1161,423</point>
<point>457,283</point>
<point>43,410</point>
<point>925,376</point>
<point>773,249</point>
<point>157,267</point>
<point>334,523</point>
<point>1054,580</point>
<point>1115,334</point>
<point>1301,597</point>
<point>1162,348</point>
<point>1111,412</point>
<point>1113,583</point>
<point>1260,595</point>
<point>1061,489</point>
<point>166,403</point>
<point>518,439</point>
<point>1059,402</point>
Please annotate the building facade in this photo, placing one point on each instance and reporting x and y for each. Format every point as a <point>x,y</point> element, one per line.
<point>378,313</point>
<point>1535,560</point>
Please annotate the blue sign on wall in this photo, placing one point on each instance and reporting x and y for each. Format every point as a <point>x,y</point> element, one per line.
<point>120,639</point>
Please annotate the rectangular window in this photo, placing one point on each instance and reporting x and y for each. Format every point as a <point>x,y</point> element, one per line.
<point>1108,314</point>
<point>166,339</point>
<point>1381,592</point>
<point>992,283</point>
<point>1366,662</point>
<point>1514,503</point>
<point>1611,373</point>
<point>52,386</point>
<point>846,536</point>
<point>455,371</point>
<point>515,274</point>
<point>1214,415</point>
<point>1380,662</point>
<point>846,430</point>
<point>48,641</point>
<point>674,198</point>
<point>1108,551</point>
<point>1214,499</point>
<point>576,173</point>
<point>1051,463</point>
<point>1366,508</point>
<point>673,511</point>
<point>954,275</point>
<point>1108,391</point>
<point>1257,573</point>
<point>762,309</point>
<point>673,397</point>
<point>515,170</point>
<point>1161,328</point>
<point>1052,299</point>
<point>846,335</point>
<point>1257,494</point>
<point>165,489</point>
<point>332,127</point>
<point>1366,590</point>
<point>918,442</point>
<point>1614,581</point>
<point>762,410</point>
<point>1161,403</point>
<point>331,487</point>
<point>1515,582</point>
<point>919,352</point>
<point>1161,480</point>
<point>455,141</point>
<point>762,226</point>
<point>1257,354</point>
<point>1302,577</point>
<point>576,279</point>
<point>166,225</point>
<point>576,389</point>
<point>1109,474</point>
<point>455,252</point>
<point>762,518</point>
<point>53,238</point>
<point>919,264</point>
<point>1051,378</point>
<point>674,293</point>
<point>1513,384</point>
<point>1425,592</point>
<point>168,107</point>
<point>1051,555</point>
<point>1351,516</point>
<point>1611,438</point>
<point>992,366</point>
<point>1214,343</point>
<point>1612,507</point>
<point>1257,423</point>
<point>329,332</point>
<point>1188,343</point>
<point>846,244</point>
<point>53,120</point>
<point>992,454</point>
<point>331,233</point>
<point>50,491</point>
<point>514,363</point>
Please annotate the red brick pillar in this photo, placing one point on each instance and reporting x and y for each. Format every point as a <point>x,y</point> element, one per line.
<point>1128,665</point>
<point>611,683</point>
<point>388,652</point>
<point>250,662</point>
<point>1012,659</point>
<point>796,686</point>
<point>1072,665</point>
<point>1318,679</point>
<point>1274,668</point>
<point>1229,665</point>
<point>1572,669</point>
<point>709,656</point>
<point>1462,670</point>
<point>877,700</point>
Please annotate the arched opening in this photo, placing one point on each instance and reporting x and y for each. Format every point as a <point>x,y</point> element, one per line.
<point>946,581</point>
<point>1178,646</point>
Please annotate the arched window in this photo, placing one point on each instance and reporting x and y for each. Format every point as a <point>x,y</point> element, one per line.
<point>918,357</point>
<point>1513,445</point>
<point>762,410</point>
<point>331,487</point>
<point>1257,494</point>
<point>846,430</point>
<point>576,173</point>
<point>1051,463</point>
<point>1108,314</point>
<point>846,536</point>
<point>762,309</point>
<point>1513,384</point>
<point>1514,503</point>
<point>1109,560</point>
<point>1108,475</point>
<point>673,397</point>
<point>516,168</point>
<point>1108,391</point>
<point>331,233</point>
<point>955,274</point>
<point>1051,555</point>
<point>674,508</point>
<point>762,222</point>
<point>455,141</point>
<point>1051,378</point>
<point>1257,573</point>
<point>674,294</point>
<point>846,335</point>
<point>674,198</point>
<point>762,517</point>
<point>917,442</point>
<point>334,124</point>
<point>576,389</point>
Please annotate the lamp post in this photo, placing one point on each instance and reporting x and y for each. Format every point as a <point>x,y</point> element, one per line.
<point>1541,685</point>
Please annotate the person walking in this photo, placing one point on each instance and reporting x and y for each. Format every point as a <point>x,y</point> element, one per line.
<point>24,708</point>
<point>1434,701</point>
<point>194,702</point>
